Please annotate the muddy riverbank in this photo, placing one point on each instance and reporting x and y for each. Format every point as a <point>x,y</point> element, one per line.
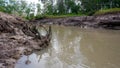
<point>107,21</point>
<point>18,37</point>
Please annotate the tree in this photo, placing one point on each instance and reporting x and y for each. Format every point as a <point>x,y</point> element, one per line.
<point>61,6</point>
<point>38,9</point>
<point>72,6</point>
<point>19,7</point>
<point>2,5</point>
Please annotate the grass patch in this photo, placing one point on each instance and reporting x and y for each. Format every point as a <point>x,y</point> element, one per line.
<point>63,16</point>
<point>107,11</point>
<point>57,16</point>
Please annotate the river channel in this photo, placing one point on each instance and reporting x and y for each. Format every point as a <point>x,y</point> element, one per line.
<point>73,47</point>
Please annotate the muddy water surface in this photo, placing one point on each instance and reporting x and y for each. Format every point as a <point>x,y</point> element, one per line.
<point>77,48</point>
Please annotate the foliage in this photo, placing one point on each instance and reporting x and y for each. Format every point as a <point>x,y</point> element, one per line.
<point>61,7</point>
<point>105,11</point>
<point>56,8</point>
<point>39,17</point>
<point>91,6</point>
<point>18,7</point>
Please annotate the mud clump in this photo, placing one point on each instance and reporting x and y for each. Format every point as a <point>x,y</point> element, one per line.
<point>18,37</point>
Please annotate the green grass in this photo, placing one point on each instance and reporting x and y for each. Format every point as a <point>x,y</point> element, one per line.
<point>62,16</point>
<point>58,16</point>
<point>107,11</point>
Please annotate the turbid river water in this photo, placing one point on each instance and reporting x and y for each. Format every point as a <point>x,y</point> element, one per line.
<point>73,47</point>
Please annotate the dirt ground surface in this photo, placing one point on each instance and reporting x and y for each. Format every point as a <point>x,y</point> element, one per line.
<point>17,38</point>
<point>107,21</point>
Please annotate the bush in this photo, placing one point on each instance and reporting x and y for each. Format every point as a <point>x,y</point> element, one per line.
<point>37,17</point>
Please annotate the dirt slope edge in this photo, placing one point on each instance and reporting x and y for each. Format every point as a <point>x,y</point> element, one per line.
<point>18,37</point>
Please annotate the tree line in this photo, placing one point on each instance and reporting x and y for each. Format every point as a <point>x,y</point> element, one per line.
<point>80,6</point>
<point>55,7</point>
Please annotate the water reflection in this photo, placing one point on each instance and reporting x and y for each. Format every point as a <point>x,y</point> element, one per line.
<point>77,48</point>
<point>27,61</point>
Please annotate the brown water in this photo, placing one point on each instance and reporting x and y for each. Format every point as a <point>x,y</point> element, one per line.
<point>77,48</point>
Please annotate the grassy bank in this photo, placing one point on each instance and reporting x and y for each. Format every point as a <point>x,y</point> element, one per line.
<point>62,16</point>
<point>107,11</point>
<point>57,16</point>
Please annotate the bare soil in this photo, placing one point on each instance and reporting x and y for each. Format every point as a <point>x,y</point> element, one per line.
<point>18,37</point>
<point>106,21</point>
